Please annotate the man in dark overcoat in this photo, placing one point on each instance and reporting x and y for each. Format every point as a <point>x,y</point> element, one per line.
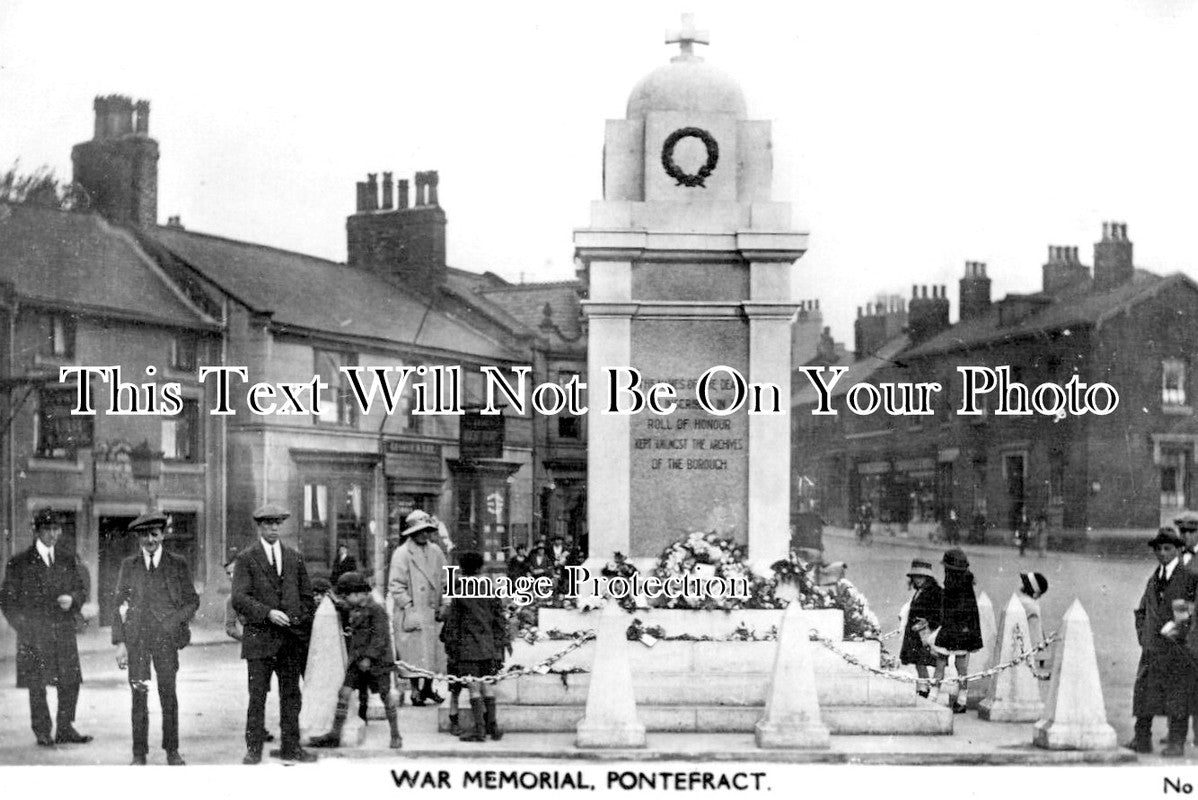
<point>1162,678</point>
<point>155,601</point>
<point>42,591</point>
<point>272,593</point>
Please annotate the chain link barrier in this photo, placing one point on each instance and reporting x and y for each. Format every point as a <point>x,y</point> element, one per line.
<point>580,638</point>
<point>1023,657</point>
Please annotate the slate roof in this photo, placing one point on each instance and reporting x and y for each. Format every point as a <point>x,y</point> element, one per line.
<point>79,261</point>
<point>1076,307</point>
<point>803,393</point>
<point>526,302</point>
<point>306,292</point>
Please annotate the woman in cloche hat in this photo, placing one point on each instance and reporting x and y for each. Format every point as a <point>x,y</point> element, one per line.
<point>923,613</point>
<point>961,631</point>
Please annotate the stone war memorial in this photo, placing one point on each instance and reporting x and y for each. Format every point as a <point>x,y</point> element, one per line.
<point>688,262</point>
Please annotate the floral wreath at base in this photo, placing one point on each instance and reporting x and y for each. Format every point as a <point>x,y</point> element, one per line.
<point>707,554</point>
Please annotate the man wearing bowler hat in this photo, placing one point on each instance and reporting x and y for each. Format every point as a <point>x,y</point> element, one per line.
<point>272,593</point>
<point>43,588</point>
<point>1163,675</point>
<point>155,601</point>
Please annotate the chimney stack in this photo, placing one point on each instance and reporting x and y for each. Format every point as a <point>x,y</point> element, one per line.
<point>1113,264</point>
<point>119,169</point>
<point>1063,269</point>
<point>973,292</point>
<point>404,244</point>
<point>927,316</point>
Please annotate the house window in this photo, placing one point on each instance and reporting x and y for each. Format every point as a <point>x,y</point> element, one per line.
<point>568,425</point>
<point>184,349</point>
<point>316,505</point>
<point>1173,382</point>
<point>58,336</point>
<point>59,434</point>
<point>181,434</point>
<point>1174,478</point>
<point>337,405</point>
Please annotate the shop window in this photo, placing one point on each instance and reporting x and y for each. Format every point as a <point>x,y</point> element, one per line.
<point>316,505</point>
<point>1173,382</point>
<point>181,434</point>
<point>184,352</point>
<point>59,434</point>
<point>58,336</point>
<point>181,539</point>
<point>1174,478</point>
<point>337,404</point>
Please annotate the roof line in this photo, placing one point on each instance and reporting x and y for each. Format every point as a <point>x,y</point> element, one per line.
<point>255,245</point>
<point>390,344</point>
<point>131,240</point>
<point>205,276</point>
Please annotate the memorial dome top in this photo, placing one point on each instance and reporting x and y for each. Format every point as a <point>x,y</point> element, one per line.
<point>687,83</point>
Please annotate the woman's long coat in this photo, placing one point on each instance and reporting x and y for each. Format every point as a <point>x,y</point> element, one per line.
<point>961,626</point>
<point>46,650</point>
<point>417,583</point>
<point>1162,687</point>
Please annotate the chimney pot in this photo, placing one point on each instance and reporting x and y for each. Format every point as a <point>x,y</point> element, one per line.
<point>433,179</point>
<point>142,117</point>
<point>914,291</point>
<point>402,203</point>
<point>388,188</point>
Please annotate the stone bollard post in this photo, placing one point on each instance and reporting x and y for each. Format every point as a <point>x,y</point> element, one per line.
<point>611,719</point>
<point>1014,695</point>
<point>1075,717</point>
<point>985,657</point>
<point>792,715</point>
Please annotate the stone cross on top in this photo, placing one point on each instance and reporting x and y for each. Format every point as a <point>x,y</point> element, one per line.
<point>687,36</point>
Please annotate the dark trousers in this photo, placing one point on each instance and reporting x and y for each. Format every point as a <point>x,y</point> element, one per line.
<point>159,651</point>
<point>1177,729</point>
<point>287,665</point>
<point>39,709</point>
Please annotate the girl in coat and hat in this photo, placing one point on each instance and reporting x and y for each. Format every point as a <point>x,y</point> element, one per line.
<point>923,613</point>
<point>961,628</point>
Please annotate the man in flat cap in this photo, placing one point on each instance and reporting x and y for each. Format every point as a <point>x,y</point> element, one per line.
<point>43,588</point>
<point>1164,673</point>
<point>272,593</point>
<point>155,601</point>
<point>1187,525</point>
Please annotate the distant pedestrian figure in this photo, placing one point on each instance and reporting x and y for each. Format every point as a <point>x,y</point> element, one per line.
<point>1023,529</point>
<point>923,613</point>
<point>343,562</point>
<point>961,629</point>
<point>952,526</point>
<point>1040,532</point>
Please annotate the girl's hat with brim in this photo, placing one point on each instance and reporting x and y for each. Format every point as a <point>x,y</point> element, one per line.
<point>921,567</point>
<point>955,559</point>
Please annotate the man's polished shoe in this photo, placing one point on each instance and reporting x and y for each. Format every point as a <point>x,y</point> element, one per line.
<point>1174,750</point>
<point>138,761</point>
<point>71,736</point>
<point>44,740</point>
<point>1138,746</point>
<point>298,755</point>
<point>267,736</point>
<point>253,755</point>
<point>173,759</point>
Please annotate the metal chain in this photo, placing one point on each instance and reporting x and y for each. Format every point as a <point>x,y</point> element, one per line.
<point>892,675</point>
<point>883,637</point>
<point>580,638</point>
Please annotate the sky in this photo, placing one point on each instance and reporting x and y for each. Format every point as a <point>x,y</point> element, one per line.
<point>909,137</point>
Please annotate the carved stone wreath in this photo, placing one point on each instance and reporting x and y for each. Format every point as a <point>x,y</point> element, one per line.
<point>675,172</point>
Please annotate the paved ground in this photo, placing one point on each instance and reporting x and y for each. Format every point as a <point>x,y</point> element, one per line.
<point>212,687</point>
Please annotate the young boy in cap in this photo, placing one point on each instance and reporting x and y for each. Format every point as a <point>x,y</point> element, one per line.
<point>1163,677</point>
<point>369,656</point>
<point>476,633</point>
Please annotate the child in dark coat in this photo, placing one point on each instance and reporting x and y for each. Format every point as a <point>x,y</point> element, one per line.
<point>961,627</point>
<point>476,637</point>
<point>923,613</point>
<point>369,660</point>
